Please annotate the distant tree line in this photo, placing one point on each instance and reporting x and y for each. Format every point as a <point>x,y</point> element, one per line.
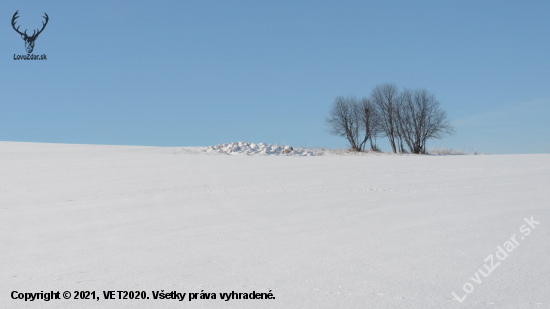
<point>408,118</point>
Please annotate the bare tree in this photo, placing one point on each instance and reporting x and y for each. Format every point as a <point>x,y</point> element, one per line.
<point>405,120</point>
<point>356,120</point>
<point>400,125</point>
<point>386,99</point>
<point>345,120</point>
<point>420,118</point>
<point>369,122</point>
<point>408,119</point>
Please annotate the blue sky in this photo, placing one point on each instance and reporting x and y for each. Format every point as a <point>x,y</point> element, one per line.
<point>197,73</point>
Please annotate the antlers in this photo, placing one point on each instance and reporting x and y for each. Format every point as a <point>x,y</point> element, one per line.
<point>34,34</point>
<point>13,23</point>
<point>43,24</point>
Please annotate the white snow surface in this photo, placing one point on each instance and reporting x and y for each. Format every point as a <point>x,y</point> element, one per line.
<point>319,232</point>
<point>243,148</point>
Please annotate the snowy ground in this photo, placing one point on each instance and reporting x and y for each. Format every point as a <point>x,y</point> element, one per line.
<point>319,232</point>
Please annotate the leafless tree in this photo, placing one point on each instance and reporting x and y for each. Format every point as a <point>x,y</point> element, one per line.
<point>420,118</point>
<point>344,121</point>
<point>354,120</point>
<point>386,99</point>
<point>408,119</point>
<point>369,122</point>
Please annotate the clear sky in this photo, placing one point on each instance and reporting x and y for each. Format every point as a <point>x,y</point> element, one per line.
<point>198,73</point>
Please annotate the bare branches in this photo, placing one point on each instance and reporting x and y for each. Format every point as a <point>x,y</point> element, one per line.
<point>344,120</point>
<point>420,118</point>
<point>408,119</point>
<point>369,122</point>
<point>386,99</point>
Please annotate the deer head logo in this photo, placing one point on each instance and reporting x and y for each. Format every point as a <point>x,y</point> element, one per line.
<point>29,40</point>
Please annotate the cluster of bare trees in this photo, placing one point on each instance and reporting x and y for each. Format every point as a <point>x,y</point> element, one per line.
<point>407,118</point>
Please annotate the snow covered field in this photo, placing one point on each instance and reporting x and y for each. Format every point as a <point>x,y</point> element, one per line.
<point>318,232</point>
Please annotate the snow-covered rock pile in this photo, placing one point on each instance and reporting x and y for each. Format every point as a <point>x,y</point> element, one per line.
<point>242,148</point>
